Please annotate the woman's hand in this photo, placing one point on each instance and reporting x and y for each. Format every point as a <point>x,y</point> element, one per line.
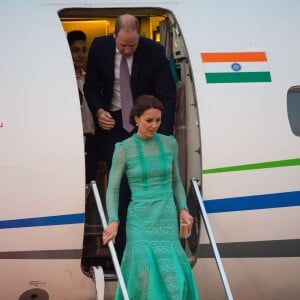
<point>110,233</point>
<point>186,223</point>
<point>185,217</point>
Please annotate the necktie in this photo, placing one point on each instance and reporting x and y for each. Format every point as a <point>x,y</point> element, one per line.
<point>125,93</point>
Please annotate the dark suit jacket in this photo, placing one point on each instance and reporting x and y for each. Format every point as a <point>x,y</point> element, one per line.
<point>150,75</point>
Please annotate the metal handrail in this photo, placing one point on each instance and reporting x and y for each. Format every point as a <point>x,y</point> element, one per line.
<point>110,244</point>
<point>212,240</point>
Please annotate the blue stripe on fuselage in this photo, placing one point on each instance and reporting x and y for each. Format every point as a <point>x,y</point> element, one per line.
<point>212,206</point>
<point>253,202</point>
<point>43,221</point>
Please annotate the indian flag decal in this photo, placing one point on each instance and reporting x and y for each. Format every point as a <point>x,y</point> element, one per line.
<point>236,67</point>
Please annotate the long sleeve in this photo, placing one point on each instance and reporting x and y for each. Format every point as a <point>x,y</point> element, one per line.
<point>99,80</point>
<point>92,86</point>
<point>178,189</point>
<point>115,176</point>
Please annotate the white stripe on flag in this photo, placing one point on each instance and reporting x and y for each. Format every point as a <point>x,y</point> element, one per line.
<point>227,67</point>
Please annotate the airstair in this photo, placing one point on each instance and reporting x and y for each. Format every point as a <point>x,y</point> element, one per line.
<point>106,272</point>
<point>98,261</point>
<point>212,239</point>
<point>110,246</point>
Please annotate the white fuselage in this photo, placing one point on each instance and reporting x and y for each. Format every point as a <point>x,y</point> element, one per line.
<point>238,139</point>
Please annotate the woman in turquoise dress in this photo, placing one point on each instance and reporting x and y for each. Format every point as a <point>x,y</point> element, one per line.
<point>154,264</point>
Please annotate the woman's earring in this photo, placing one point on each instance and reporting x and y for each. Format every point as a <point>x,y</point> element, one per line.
<point>137,124</point>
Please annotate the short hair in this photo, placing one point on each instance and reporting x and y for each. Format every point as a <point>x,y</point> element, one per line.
<point>142,103</point>
<point>75,35</point>
<point>127,22</point>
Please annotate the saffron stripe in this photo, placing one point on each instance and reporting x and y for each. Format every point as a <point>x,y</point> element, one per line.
<point>43,221</point>
<point>253,202</point>
<point>238,77</point>
<point>262,165</point>
<point>233,56</point>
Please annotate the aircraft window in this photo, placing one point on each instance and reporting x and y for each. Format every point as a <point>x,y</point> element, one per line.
<point>293,108</point>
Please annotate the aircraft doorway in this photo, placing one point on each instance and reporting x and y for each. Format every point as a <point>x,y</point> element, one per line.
<point>159,25</point>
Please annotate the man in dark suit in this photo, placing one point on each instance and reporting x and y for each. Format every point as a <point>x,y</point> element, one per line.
<point>149,74</point>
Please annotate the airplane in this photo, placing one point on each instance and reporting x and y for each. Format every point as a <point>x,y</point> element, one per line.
<point>236,66</point>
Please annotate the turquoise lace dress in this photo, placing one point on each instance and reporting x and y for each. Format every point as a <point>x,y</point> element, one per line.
<point>154,264</point>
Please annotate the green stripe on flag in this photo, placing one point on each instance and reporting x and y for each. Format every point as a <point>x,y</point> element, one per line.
<point>238,77</point>
<point>263,165</point>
